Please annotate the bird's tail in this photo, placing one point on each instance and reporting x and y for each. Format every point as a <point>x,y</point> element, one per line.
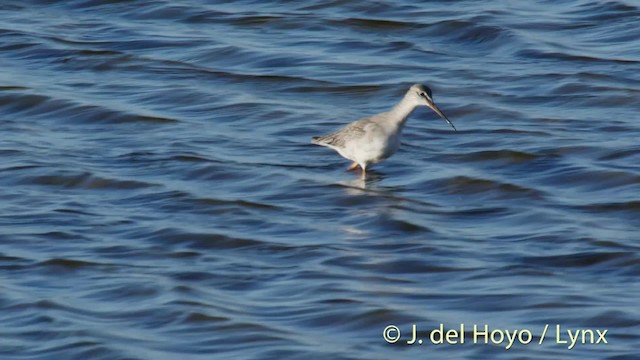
<point>316,140</point>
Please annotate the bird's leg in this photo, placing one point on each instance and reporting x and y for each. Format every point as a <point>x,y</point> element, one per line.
<point>353,166</point>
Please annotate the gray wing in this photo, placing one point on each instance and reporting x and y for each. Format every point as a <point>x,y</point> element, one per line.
<point>337,139</point>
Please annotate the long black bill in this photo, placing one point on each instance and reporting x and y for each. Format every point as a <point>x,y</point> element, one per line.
<point>434,107</point>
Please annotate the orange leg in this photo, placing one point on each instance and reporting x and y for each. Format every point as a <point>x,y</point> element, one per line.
<point>353,166</point>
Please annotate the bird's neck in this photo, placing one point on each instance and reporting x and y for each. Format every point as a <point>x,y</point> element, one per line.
<point>401,112</point>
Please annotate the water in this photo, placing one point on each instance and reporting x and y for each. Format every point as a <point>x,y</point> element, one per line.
<point>160,198</point>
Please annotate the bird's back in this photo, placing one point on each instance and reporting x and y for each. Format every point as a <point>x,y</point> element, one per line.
<point>339,138</point>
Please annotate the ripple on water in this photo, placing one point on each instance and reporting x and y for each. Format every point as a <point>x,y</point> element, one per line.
<point>86,181</point>
<point>482,187</point>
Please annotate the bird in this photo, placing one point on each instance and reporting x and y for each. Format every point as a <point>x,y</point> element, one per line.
<point>373,139</point>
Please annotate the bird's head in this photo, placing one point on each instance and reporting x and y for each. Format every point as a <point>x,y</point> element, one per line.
<point>421,95</point>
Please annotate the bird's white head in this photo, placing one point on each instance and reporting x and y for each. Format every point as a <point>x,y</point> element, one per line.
<point>421,96</point>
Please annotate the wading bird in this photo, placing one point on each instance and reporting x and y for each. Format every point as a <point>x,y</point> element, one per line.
<point>375,138</point>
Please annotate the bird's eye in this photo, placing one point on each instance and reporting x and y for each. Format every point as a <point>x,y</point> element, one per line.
<point>423,94</point>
